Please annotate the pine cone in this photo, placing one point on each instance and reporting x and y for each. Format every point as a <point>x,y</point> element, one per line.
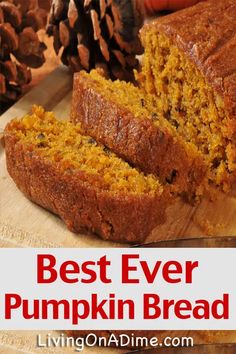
<point>45,4</point>
<point>20,47</point>
<point>98,34</point>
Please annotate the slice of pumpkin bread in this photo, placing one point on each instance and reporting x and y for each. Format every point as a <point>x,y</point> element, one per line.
<point>190,66</point>
<point>82,181</point>
<point>126,119</point>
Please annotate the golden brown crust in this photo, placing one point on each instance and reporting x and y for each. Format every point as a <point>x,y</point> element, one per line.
<point>122,218</point>
<point>206,33</point>
<point>139,141</point>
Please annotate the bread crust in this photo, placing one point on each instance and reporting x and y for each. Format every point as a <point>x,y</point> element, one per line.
<point>206,33</point>
<point>140,142</point>
<point>121,217</point>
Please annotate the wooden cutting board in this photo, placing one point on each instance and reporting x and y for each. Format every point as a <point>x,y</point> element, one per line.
<point>23,224</point>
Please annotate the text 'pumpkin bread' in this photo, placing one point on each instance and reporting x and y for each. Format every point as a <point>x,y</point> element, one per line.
<point>127,120</point>
<point>190,66</point>
<point>82,181</point>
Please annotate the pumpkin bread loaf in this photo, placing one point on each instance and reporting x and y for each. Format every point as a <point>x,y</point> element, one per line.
<point>182,121</point>
<point>190,66</point>
<point>82,181</point>
<point>126,119</point>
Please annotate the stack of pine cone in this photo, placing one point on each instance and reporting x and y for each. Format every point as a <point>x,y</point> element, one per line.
<point>98,33</point>
<point>20,47</point>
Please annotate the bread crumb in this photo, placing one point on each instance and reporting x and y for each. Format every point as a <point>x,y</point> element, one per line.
<point>208,228</point>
